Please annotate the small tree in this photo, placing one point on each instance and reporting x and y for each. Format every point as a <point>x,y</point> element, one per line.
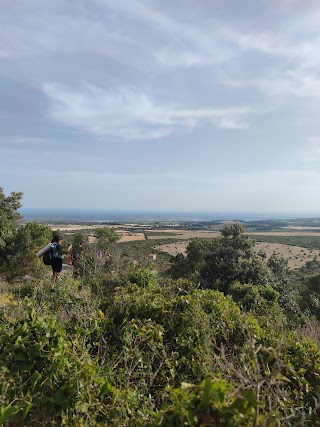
<point>79,239</point>
<point>9,217</point>
<point>105,237</point>
<point>280,270</point>
<point>190,265</point>
<point>233,258</point>
<point>21,252</point>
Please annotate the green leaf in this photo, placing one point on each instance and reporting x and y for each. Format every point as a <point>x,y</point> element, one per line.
<point>35,378</point>
<point>26,408</point>
<point>106,388</point>
<point>20,357</point>
<point>207,392</point>
<point>250,396</point>
<point>6,412</point>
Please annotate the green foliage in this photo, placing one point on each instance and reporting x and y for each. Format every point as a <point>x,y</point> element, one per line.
<point>257,298</point>
<point>137,251</point>
<point>140,371</point>
<point>212,403</point>
<point>194,321</point>
<point>310,294</point>
<point>180,266</point>
<point>124,344</point>
<point>233,259</point>
<point>94,259</point>
<point>46,378</point>
<point>191,265</point>
<point>105,237</point>
<point>21,250</point>
<point>280,270</point>
<point>302,358</point>
<point>266,386</point>
<point>150,339</point>
<point>79,238</point>
<point>218,263</point>
<point>9,216</point>
<point>142,277</point>
<point>73,304</point>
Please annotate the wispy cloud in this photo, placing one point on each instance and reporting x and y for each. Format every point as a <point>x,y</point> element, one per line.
<point>131,114</point>
<point>268,43</point>
<point>159,37</point>
<point>280,83</point>
<point>24,140</point>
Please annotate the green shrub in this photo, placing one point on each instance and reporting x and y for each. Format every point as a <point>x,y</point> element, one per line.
<point>212,403</point>
<point>48,380</point>
<point>194,322</point>
<point>257,298</point>
<point>21,250</point>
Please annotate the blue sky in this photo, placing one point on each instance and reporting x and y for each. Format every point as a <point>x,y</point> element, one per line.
<point>194,105</point>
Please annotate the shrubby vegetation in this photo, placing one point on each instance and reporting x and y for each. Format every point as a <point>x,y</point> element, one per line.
<point>221,338</point>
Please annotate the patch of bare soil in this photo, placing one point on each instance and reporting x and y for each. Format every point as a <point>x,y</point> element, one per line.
<point>296,256</point>
<point>284,233</point>
<point>129,237</point>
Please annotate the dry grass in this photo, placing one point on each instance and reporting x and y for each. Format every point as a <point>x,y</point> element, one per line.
<point>77,227</point>
<point>182,234</point>
<point>311,330</point>
<point>296,256</point>
<point>130,237</point>
<point>285,233</point>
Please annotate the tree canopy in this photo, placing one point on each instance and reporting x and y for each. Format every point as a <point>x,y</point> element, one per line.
<point>218,263</point>
<point>9,215</point>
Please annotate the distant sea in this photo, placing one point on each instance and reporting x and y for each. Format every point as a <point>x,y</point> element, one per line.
<point>68,216</point>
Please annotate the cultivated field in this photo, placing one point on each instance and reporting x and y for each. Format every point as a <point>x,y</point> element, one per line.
<point>296,256</point>
<point>185,235</point>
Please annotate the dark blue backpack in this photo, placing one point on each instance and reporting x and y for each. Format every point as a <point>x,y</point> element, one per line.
<point>47,258</point>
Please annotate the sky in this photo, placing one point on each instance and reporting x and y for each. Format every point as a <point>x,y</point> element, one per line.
<point>161,105</point>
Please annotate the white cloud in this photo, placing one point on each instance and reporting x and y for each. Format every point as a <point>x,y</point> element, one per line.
<point>130,114</point>
<point>266,42</point>
<point>278,83</point>
<point>24,140</point>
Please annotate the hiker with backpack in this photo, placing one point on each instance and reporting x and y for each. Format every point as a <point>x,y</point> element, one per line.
<point>52,254</point>
<point>57,256</point>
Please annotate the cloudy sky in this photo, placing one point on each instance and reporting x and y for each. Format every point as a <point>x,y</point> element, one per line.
<point>193,105</point>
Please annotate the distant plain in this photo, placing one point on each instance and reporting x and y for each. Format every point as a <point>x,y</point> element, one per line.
<point>297,256</point>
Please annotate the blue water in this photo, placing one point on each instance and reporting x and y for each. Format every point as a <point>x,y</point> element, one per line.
<point>97,216</point>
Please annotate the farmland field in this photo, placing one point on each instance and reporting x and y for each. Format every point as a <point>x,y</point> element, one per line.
<point>297,246</point>
<point>296,256</point>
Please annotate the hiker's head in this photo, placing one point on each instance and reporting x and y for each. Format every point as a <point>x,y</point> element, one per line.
<point>56,238</point>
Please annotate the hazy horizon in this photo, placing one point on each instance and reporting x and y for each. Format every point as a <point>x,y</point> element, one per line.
<point>96,215</point>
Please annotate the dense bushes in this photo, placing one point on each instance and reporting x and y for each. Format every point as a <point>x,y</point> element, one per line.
<point>194,321</point>
<point>75,360</point>
<point>46,379</point>
<point>121,346</point>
